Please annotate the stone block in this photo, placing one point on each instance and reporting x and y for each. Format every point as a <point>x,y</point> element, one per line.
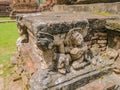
<point>94,38</point>
<point>95,1</point>
<point>84,1</point>
<point>102,45</point>
<point>103,38</point>
<point>53,48</point>
<point>102,34</point>
<point>103,48</point>
<point>104,9</point>
<point>113,25</point>
<point>102,41</point>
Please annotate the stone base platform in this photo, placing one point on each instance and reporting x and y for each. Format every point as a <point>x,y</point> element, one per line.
<point>107,82</point>
<point>111,8</point>
<point>65,51</point>
<point>56,81</point>
<point>71,81</point>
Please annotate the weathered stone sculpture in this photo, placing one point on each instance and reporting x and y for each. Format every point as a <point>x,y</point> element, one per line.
<point>63,50</point>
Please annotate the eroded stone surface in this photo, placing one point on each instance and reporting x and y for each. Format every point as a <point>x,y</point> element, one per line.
<point>63,49</point>
<point>104,9</point>
<point>113,25</point>
<point>107,82</point>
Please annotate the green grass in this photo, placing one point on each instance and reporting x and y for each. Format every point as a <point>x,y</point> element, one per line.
<point>8,37</point>
<point>5,18</point>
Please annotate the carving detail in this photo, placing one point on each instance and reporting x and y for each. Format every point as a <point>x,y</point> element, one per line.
<point>69,49</point>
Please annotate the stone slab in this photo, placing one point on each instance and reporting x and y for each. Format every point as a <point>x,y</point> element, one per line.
<point>84,1</point>
<point>54,49</point>
<point>43,21</point>
<point>107,82</point>
<point>71,81</point>
<point>111,8</point>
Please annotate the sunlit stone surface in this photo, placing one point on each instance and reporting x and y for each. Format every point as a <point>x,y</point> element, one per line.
<point>66,50</point>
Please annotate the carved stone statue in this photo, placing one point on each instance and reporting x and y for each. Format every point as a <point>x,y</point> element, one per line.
<point>77,47</point>
<point>70,50</point>
<point>63,63</point>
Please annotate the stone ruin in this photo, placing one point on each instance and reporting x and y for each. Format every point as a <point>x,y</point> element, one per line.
<point>65,51</point>
<point>47,5</point>
<point>4,8</point>
<point>23,6</point>
<point>111,6</point>
<point>84,1</point>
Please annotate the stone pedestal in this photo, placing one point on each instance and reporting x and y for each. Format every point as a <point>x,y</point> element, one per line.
<point>64,50</point>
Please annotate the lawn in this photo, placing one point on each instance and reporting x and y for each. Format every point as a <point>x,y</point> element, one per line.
<point>8,37</point>
<point>4,18</point>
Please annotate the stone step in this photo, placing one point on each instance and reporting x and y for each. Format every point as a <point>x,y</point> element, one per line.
<point>84,1</point>
<point>94,1</point>
<point>71,81</point>
<point>95,8</point>
<point>107,82</point>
